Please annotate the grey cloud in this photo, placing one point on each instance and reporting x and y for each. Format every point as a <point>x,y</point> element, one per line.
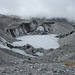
<point>39,8</point>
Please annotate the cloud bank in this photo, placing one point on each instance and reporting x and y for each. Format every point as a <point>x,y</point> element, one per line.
<point>39,8</point>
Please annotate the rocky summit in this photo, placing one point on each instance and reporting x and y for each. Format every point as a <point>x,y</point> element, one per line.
<point>29,60</point>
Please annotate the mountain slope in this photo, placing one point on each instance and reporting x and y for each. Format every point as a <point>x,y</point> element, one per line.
<point>69,40</point>
<point>61,28</point>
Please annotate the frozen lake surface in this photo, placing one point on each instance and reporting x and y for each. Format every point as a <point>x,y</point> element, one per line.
<point>21,52</point>
<point>37,41</point>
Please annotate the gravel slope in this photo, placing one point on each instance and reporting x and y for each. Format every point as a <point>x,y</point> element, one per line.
<point>37,69</point>
<point>69,40</point>
<point>61,28</point>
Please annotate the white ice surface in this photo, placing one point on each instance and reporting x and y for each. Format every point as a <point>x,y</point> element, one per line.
<point>16,50</point>
<point>21,52</point>
<point>44,41</point>
<point>39,54</point>
<point>37,41</point>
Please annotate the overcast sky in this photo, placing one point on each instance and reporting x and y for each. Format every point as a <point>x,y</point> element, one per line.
<point>39,8</point>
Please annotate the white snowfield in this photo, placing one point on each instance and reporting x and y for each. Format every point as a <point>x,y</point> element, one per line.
<point>37,41</point>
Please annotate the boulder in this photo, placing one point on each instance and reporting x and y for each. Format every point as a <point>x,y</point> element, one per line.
<point>30,50</point>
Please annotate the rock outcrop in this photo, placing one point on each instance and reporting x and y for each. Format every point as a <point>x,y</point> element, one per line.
<point>6,36</point>
<point>21,28</point>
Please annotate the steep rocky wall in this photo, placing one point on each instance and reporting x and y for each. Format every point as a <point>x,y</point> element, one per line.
<point>6,36</point>
<point>21,28</point>
<point>35,28</point>
<point>29,28</point>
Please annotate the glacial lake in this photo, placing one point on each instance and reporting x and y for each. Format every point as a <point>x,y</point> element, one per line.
<point>37,41</point>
